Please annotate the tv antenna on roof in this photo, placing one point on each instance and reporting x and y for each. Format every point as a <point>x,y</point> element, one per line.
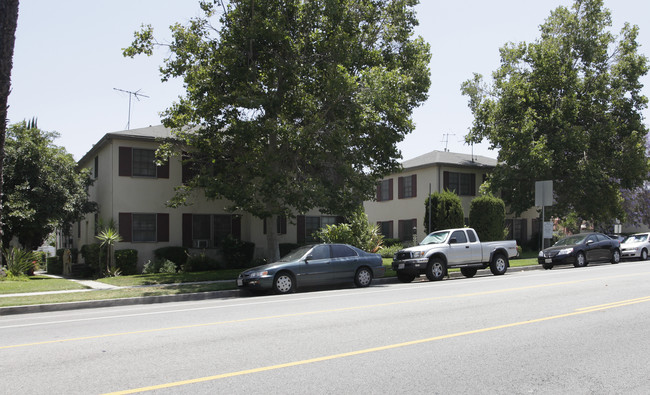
<point>135,94</point>
<point>445,139</point>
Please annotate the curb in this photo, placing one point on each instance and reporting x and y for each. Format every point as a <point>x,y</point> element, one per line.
<point>90,304</point>
<point>42,308</point>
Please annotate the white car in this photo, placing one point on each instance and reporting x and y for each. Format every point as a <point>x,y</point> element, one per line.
<point>636,246</point>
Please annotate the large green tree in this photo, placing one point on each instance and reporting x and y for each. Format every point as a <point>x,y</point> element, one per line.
<point>566,108</point>
<point>42,187</point>
<point>292,104</point>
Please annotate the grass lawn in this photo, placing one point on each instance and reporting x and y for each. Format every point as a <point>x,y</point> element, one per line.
<point>171,278</point>
<point>113,294</point>
<point>38,284</point>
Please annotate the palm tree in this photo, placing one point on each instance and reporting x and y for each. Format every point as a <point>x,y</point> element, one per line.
<point>108,237</point>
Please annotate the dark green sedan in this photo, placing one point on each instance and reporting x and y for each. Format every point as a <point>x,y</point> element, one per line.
<point>313,265</point>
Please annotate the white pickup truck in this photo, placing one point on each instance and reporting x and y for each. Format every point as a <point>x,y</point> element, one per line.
<point>453,248</point>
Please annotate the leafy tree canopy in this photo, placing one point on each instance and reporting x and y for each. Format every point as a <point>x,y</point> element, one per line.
<point>42,187</point>
<point>566,108</point>
<point>292,105</point>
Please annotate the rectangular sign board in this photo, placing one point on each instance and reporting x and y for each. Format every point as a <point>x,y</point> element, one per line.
<point>548,229</point>
<point>544,193</point>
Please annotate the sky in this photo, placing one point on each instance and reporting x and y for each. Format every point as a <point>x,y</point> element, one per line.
<point>68,64</point>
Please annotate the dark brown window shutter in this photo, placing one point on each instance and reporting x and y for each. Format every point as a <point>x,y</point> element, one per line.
<point>445,180</point>
<point>187,230</point>
<point>236,226</point>
<point>162,223</point>
<point>472,184</point>
<point>126,161</point>
<point>390,189</point>
<point>414,185</point>
<point>400,188</point>
<point>125,226</point>
<point>300,225</point>
<point>379,197</point>
<point>163,170</point>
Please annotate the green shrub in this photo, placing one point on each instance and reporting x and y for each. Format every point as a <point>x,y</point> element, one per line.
<point>357,232</point>
<point>487,215</point>
<point>159,266</point>
<point>389,252</point>
<point>446,211</point>
<point>237,253</point>
<point>93,256</point>
<point>200,263</point>
<point>19,262</point>
<point>127,261</point>
<point>54,265</point>
<point>392,242</point>
<point>178,255</point>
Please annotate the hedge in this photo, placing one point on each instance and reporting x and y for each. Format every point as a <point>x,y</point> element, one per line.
<point>127,261</point>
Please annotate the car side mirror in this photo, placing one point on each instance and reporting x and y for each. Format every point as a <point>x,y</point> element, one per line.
<point>453,240</point>
<point>589,242</point>
<point>309,258</point>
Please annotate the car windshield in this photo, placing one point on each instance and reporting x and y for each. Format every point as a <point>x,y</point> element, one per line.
<point>571,240</point>
<point>435,238</point>
<point>296,254</point>
<point>635,238</point>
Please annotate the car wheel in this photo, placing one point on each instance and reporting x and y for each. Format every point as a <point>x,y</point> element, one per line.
<point>283,283</point>
<point>468,272</point>
<point>644,255</point>
<point>581,261</point>
<point>363,278</point>
<point>436,270</point>
<point>405,277</point>
<point>547,266</point>
<point>616,256</point>
<point>499,264</point>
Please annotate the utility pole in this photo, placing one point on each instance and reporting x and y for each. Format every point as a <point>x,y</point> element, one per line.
<point>135,94</point>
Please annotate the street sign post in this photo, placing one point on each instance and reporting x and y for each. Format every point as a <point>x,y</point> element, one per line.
<point>543,198</point>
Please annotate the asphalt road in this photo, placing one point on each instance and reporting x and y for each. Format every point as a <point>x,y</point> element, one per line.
<point>568,330</point>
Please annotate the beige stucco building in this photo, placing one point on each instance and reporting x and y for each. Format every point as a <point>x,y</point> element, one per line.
<point>399,207</point>
<point>132,191</point>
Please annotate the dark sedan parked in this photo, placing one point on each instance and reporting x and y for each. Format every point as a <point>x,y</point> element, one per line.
<point>581,249</point>
<point>314,265</point>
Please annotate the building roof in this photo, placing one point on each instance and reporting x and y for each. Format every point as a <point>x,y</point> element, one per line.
<point>449,158</point>
<point>150,133</point>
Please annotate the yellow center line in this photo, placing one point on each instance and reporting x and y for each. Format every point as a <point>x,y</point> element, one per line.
<point>381,348</point>
<point>308,313</point>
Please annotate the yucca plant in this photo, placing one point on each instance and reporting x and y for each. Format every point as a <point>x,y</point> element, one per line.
<point>19,262</point>
<point>108,237</point>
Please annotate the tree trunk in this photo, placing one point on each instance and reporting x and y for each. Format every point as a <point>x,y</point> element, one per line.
<point>8,23</point>
<point>272,246</point>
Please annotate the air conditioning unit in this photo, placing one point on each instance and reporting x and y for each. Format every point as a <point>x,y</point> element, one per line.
<point>201,243</point>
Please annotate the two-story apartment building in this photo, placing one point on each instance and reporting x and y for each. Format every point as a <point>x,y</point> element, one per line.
<point>132,191</point>
<point>399,207</point>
